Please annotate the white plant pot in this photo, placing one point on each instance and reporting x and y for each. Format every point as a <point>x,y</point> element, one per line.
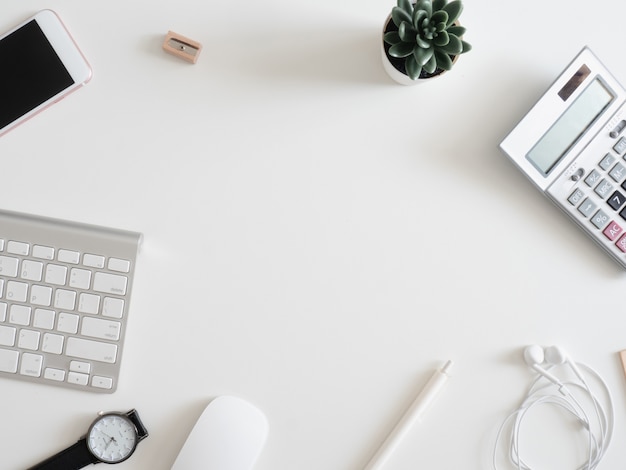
<point>394,73</point>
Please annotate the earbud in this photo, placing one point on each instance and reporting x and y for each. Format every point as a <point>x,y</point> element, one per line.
<point>534,356</point>
<point>556,356</point>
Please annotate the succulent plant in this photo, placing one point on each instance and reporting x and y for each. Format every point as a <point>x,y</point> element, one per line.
<point>427,35</point>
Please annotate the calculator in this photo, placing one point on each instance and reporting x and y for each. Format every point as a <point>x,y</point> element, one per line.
<point>572,146</point>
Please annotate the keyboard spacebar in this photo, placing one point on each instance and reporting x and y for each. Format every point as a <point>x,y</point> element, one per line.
<point>92,350</point>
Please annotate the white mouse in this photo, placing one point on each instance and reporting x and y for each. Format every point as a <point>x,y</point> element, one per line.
<point>229,435</point>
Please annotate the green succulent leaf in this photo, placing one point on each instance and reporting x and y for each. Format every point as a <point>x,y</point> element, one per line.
<point>454,10</point>
<point>454,46</point>
<point>413,69</point>
<point>422,42</point>
<point>431,65</point>
<point>418,18</point>
<point>406,32</point>
<point>423,55</point>
<point>406,6</point>
<point>457,30</point>
<point>398,15</point>
<point>425,5</point>
<point>440,16</point>
<point>442,39</point>
<point>401,50</point>
<point>466,46</point>
<point>443,60</point>
<point>392,37</point>
<point>439,4</point>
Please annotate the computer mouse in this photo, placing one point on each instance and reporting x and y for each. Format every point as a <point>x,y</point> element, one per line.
<point>229,435</point>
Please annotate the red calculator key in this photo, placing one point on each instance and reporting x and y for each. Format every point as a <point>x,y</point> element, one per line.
<point>612,231</point>
<point>621,243</point>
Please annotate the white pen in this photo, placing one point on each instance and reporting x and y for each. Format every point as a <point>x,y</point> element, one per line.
<point>417,408</point>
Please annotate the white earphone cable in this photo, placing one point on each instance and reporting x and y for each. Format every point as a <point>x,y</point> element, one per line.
<point>599,431</point>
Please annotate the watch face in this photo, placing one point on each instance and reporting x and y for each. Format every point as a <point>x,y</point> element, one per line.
<point>112,438</point>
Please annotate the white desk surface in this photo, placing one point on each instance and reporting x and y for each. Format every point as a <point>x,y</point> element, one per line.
<point>318,239</point>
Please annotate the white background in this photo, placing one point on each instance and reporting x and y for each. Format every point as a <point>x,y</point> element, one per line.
<point>318,239</point>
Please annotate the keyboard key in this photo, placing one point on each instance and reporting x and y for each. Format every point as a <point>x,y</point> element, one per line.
<point>1,244</point>
<point>43,252</point>
<point>65,299</point>
<point>18,248</point>
<point>43,319</point>
<point>56,274</point>
<point>80,278</point>
<point>102,382</point>
<point>31,270</point>
<point>19,315</point>
<point>8,266</point>
<point>7,335</point>
<point>41,295</point>
<point>93,261</point>
<point>16,291</point>
<point>79,366</point>
<point>101,329</point>
<point>28,339</point>
<point>113,308</point>
<point>77,378</point>
<point>91,350</point>
<point>52,343</point>
<point>58,375</point>
<point>88,303</point>
<point>119,265</point>
<point>8,360</point>
<point>68,323</point>
<point>110,283</point>
<point>3,307</point>
<point>31,364</point>
<point>68,256</point>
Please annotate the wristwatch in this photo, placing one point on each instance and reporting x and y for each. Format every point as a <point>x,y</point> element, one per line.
<point>111,438</point>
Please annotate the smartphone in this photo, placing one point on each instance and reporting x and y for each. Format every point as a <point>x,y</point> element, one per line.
<point>39,65</point>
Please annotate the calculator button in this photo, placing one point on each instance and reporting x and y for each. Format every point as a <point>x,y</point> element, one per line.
<point>620,146</point>
<point>593,178</point>
<point>600,219</point>
<point>575,198</point>
<point>621,243</point>
<point>604,188</point>
<point>618,172</point>
<point>616,200</point>
<point>587,208</point>
<point>612,231</point>
<point>607,161</point>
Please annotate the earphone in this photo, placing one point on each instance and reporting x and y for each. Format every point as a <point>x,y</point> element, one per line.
<point>598,424</point>
<point>534,356</point>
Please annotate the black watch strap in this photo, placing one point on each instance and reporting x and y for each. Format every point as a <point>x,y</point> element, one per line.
<point>72,458</point>
<point>142,432</point>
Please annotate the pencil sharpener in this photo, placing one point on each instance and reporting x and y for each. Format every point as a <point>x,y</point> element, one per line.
<point>182,47</point>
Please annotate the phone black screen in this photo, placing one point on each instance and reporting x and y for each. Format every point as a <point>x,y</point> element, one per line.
<point>30,72</point>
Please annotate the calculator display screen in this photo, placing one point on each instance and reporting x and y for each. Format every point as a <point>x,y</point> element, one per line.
<point>570,126</point>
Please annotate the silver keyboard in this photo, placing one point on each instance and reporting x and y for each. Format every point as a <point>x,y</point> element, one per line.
<point>64,296</point>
